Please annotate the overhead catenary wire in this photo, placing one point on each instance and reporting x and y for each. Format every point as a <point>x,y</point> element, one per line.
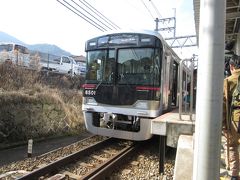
<point>159,15</point>
<point>133,5</point>
<point>102,23</point>
<point>100,15</point>
<point>147,9</point>
<point>155,8</point>
<point>88,16</point>
<point>83,16</point>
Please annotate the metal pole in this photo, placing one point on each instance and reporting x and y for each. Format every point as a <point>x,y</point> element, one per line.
<point>174,31</point>
<point>162,149</point>
<point>180,88</point>
<point>191,89</point>
<point>156,20</point>
<point>72,72</point>
<point>210,90</point>
<point>185,93</point>
<point>17,58</point>
<point>48,61</point>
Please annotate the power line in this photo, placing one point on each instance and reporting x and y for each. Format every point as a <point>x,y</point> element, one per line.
<point>86,16</point>
<point>80,15</point>
<point>91,15</point>
<point>133,5</point>
<point>147,9</point>
<point>101,15</point>
<point>155,8</point>
<point>96,22</point>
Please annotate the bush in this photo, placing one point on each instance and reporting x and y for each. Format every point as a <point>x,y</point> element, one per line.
<point>14,77</point>
<point>32,107</point>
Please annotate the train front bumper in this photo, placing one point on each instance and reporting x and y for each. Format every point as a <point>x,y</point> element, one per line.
<point>143,134</point>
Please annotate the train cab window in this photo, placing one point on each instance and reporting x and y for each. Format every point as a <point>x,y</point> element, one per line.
<point>138,66</point>
<point>100,66</point>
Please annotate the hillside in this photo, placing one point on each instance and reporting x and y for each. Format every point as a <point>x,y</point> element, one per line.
<point>38,105</point>
<point>4,37</point>
<point>46,48</point>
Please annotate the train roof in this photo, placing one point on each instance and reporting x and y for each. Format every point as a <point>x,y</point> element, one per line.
<point>149,32</point>
<point>141,31</point>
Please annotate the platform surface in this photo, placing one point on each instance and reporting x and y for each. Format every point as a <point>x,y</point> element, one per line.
<point>172,125</point>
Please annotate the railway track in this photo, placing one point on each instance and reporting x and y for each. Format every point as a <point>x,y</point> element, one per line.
<point>112,153</point>
<point>31,164</point>
<point>93,160</point>
<point>107,167</point>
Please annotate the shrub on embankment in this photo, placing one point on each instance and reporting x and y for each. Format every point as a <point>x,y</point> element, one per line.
<point>31,109</point>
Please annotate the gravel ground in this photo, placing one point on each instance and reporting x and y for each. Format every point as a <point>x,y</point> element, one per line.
<point>19,153</point>
<point>145,165</point>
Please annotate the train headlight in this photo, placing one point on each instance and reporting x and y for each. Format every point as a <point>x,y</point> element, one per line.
<point>141,105</point>
<point>90,101</point>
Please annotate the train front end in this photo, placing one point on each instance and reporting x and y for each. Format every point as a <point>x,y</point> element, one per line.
<point>122,90</point>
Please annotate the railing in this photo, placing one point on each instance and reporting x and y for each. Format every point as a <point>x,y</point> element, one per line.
<point>183,91</point>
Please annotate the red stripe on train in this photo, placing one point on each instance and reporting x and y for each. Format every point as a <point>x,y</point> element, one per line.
<point>147,88</point>
<point>89,86</point>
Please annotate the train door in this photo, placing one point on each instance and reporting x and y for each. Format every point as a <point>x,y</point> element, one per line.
<point>174,87</point>
<point>169,81</point>
<point>165,80</point>
<point>163,72</point>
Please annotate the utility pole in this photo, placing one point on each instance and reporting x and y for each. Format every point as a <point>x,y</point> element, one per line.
<point>175,42</point>
<point>168,20</point>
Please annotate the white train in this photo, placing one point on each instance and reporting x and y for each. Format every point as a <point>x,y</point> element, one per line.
<point>131,78</point>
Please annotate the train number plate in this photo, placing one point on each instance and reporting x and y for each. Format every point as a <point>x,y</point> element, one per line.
<point>90,92</point>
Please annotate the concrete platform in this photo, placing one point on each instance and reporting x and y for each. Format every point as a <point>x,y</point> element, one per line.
<point>172,126</point>
<point>183,169</point>
<point>179,135</point>
<point>184,159</point>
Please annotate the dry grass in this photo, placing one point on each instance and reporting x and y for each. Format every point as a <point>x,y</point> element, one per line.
<point>28,103</point>
<point>13,77</point>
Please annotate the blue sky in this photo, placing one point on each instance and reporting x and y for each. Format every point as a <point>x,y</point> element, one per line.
<point>47,21</point>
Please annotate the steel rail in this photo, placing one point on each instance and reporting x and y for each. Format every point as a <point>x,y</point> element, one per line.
<point>66,160</point>
<point>107,167</point>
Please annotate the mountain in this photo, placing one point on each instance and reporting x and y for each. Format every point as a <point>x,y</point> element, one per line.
<point>48,48</point>
<point>45,48</point>
<point>4,37</point>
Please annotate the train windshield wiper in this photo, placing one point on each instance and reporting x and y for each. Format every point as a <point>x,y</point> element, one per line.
<point>100,82</point>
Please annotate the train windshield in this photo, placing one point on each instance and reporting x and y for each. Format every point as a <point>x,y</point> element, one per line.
<point>100,66</point>
<point>135,66</point>
<point>138,66</point>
